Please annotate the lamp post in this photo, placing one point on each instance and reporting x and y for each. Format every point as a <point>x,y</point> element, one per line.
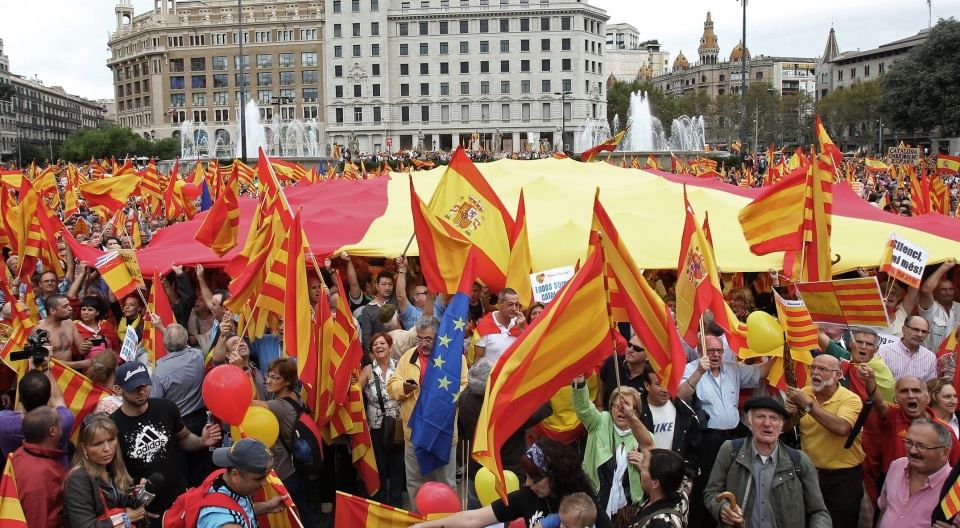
<point>243,98</point>
<point>153,135</point>
<point>743,87</point>
<point>563,117</point>
<point>773,101</point>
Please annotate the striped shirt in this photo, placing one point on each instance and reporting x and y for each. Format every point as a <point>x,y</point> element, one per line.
<point>922,364</point>
<point>179,377</point>
<point>941,323</point>
<point>721,396</point>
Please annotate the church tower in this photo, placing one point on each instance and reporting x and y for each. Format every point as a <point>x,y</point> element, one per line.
<point>709,49</point>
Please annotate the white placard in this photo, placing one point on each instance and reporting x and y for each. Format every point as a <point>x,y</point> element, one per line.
<point>907,261</point>
<point>886,339</point>
<point>547,283</point>
<point>129,349</point>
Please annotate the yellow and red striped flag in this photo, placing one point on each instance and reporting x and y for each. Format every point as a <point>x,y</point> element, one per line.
<point>797,325</point>
<point>114,270</point>
<point>521,263</point>
<point>156,304</point>
<point>848,302</point>
<point>221,226</point>
<point>763,283</point>
<point>80,394</point>
<point>736,146</point>
<point>11,511</point>
<point>289,517</point>
<point>358,512</point>
<point>21,324</point>
<point>244,173</point>
<point>950,505</point>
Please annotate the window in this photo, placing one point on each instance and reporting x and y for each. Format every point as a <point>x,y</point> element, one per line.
<point>358,114</point>
<point>405,114</point>
<point>839,75</point>
<point>337,30</point>
<point>524,24</point>
<point>261,36</point>
<point>375,50</point>
<point>221,99</point>
<point>176,65</point>
<point>504,66</point>
<point>288,93</point>
<point>565,23</point>
<point>285,36</point>
<point>375,70</point>
<point>236,37</point>
<point>424,48</point>
<point>310,94</point>
<point>197,65</point>
<point>504,25</point>
<point>355,6</point>
<point>545,24</point>
<point>198,81</point>
<point>546,111</point>
<point>484,66</point>
<point>464,47</point>
<point>242,79</point>
<point>309,77</point>
<point>339,111</point>
<point>853,73</point>
<point>376,114</point>
<point>220,81</point>
<point>199,116</point>
<point>286,60</point>
<point>404,90</point>
<point>424,28</point>
<point>484,87</point>
<point>310,112</point>
<point>545,85</point>
<point>338,71</point>
<point>444,48</point>
<point>374,5</point>
<point>308,59</point>
<point>356,50</point>
<point>404,50</point>
<point>565,64</point>
<point>565,44</point>
<point>567,85</point>
<point>484,26</point>
<point>424,68</point>
<point>465,113</point>
<point>356,29</point>
<point>264,61</point>
<point>880,68</point>
<point>338,51</point>
<point>484,46</point>
<point>357,90</point>
<point>338,92</point>
<point>174,42</point>
<point>544,44</point>
<point>444,27</point>
<point>485,113</point>
<point>464,26</point>
<point>545,65</point>
<point>524,86</point>
<point>264,96</point>
<point>404,69</point>
<point>464,67</point>
<point>375,29</point>
<point>464,88</point>
<point>404,29</point>
<point>504,46</point>
<point>175,100</point>
<point>445,88</point>
<point>176,83</point>
<point>376,90</point>
<point>504,87</point>
<point>308,34</point>
<point>218,38</point>
<point>444,68</point>
<point>199,99</point>
<point>866,70</point>
<point>425,114</point>
<point>525,45</point>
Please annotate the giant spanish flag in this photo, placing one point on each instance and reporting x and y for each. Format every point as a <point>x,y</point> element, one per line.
<point>472,211</point>
<point>560,345</point>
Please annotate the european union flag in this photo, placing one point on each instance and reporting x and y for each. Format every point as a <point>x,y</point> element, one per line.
<point>206,202</point>
<point>432,423</point>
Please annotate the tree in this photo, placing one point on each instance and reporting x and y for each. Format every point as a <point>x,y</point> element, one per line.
<point>850,114</point>
<point>922,89</point>
<point>166,148</point>
<point>30,152</point>
<point>109,141</point>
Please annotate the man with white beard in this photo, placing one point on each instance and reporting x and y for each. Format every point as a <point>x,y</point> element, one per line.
<point>828,413</point>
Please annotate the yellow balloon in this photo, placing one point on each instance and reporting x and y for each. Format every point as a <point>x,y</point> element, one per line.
<point>764,333</point>
<point>486,485</point>
<point>513,483</point>
<point>258,423</point>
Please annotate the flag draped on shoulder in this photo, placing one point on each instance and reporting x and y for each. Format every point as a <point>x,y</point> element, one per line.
<point>590,155</point>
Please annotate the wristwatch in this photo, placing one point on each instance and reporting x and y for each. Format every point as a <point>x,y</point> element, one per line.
<point>808,408</point>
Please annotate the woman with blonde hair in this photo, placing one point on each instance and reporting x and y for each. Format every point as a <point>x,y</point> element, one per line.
<point>98,490</point>
<point>741,302</point>
<point>943,401</point>
<point>103,372</point>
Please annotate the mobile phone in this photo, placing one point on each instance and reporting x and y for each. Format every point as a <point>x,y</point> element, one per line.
<point>411,382</point>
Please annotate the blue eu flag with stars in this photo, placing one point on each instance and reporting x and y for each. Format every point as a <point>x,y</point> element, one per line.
<point>433,421</point>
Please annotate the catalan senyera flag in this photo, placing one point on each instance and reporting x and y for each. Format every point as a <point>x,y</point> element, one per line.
<point>244,173</point>
<point>442,257</point>
<point>289,517</point>
<point>771,221</point>
<point>939,196</point>
<point>800,331</point>
<point>21,324</point>
<point>111,193</point>
<point>631,295</point>
<point>949,506</point>
<point>560,345</point>
<point>114,270</point>
<point>271,192</point>
<point>948,164</point>
<point>848,302</point>
<point>358,512</point>
<point>249,268</point>
<point>469,209</point>
<point>827,145</point>
<point>875,165</point>
<point>285,170</point>
<point>220,228</point>
<point>699,288</point>
<point>590,155</point>
<point>157,303</point>
<point>919,192</point>
<point>80,394</point>
<point>29,234</point>
<point>11,511</point>
<point>814,260</point>
<point>521,263</point>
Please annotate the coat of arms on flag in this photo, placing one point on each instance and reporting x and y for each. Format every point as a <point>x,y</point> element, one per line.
<point>695,270</point>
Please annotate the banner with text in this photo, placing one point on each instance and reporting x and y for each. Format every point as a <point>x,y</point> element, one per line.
<point>547,283</point>
<point>904,260</point>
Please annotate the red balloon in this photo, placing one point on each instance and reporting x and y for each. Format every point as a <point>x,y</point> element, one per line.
<point>437,497</point>
<point>190,190</point>
<point>227,393</point>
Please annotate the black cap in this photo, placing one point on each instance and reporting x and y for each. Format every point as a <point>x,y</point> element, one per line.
<point>765,402</point>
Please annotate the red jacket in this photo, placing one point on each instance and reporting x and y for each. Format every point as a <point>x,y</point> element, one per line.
<point>40,484</point>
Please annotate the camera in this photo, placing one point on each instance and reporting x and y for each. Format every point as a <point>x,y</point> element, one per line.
<point>35,349</point>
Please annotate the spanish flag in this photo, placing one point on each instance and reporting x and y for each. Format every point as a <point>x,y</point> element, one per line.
<point>114,270</point>
<point>111,193</point>
<point>11,511</point>
<point>289,517</point>
<point>590,155</point>
<point>827,146</point>
<point>875,165</point>
<point>220,228</point>
<point>736,146</point>
<point>652,163</point>
<point>948,164</point>
<point>357,512</point>
<point>442,257</point>
<point>521,265</point>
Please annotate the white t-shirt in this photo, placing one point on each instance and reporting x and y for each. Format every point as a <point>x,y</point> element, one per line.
<point>664,419</point>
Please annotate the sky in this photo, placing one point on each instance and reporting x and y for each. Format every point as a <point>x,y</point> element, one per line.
<point>64,42</point>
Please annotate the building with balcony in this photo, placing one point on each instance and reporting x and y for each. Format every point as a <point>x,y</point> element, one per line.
<point>177,69</point>
<point>629,59</point>
<point>46,115</point>
<point>401,74</point>
<point>8,125</point>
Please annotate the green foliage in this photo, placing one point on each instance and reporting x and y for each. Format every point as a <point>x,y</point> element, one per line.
<point>853,109</point>
<point>168,148</point>
<point>112,141</point>
<point>922,89</point>
<point>32,152</point>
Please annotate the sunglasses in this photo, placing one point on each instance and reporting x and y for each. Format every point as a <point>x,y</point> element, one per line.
<point>635,348</point>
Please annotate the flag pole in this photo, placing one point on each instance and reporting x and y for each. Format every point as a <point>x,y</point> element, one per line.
<point>606,291</point>
<point>703,344</point>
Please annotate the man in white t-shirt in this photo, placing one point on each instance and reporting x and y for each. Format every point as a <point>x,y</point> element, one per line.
<point>673,422</point>
<point>498,330</point>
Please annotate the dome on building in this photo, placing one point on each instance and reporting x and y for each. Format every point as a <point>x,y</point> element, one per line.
<point>645,72</point>
<point>737,54</point>
<point>680,63</point>
<point>611,80</point>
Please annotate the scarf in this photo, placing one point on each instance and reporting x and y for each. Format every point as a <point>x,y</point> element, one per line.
<point>618,498</point>
<point>123,325</point>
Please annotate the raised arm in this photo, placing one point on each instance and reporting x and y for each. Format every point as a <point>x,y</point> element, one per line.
<point>689,386</point>
<point>930,285</point>
<point>880,406</point>
<point>401,288</point>
<point>77,284</point>
<point>205,291</point>
<point>910,298</point>
<point>352,283</point>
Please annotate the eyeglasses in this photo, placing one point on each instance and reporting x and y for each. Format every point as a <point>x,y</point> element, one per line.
<point>714,351</point>
<point>424,339</point>
<point>636,348</point>
<point>909,444</point>
<point>419,293</point>
<point>917,330</point>
<point>818,368</point>
<point>274,377</point>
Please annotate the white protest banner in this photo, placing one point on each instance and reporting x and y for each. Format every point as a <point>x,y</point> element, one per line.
<point>129,349</point>
<point>902,156</point>
<point>547,283</point>
<point>904,260</point>
<point>886,339</point>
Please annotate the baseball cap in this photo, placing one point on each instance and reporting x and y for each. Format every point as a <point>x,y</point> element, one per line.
<point>131,375</point>
<point>248,454</point>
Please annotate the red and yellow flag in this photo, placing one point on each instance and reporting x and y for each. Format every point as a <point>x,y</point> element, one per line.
<point>521,263</point>
<point>157,303</point>
<point>875,165</point>
<point>111,193</point>
<point>11,511</point>
<point>114,270</point>
<point>442,256</point>
<point>828,147</point>
<point>289,517</point>
<point>848,302</point>
<point>797,325</point>
<point>220,228</point>
<point>652,163</point>
<point>357,512</point>
<point>590,155</point>
<point>950,504</point>
<point>948,164</point>
<point>80,394</point>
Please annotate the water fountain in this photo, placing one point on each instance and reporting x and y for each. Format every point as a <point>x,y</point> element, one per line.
<point>256,135</point>
<point>591,132</point>
<point>646,133</point>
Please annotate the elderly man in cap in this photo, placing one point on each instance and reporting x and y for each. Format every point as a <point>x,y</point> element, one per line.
<point>247,464</point>
<point>772,483</point>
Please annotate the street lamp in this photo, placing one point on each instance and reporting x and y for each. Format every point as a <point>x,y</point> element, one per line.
<point>19,152</point>
<point>50,141</point>
<point>243,101</point>
<point>743,87</point>
<point>563,117</point>
<point>153,135</point>
<point>773,99</point>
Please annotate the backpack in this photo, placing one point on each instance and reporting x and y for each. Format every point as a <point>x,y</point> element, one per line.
<point>794,454</point>
<point>186,509</point>
<point>306,451</point>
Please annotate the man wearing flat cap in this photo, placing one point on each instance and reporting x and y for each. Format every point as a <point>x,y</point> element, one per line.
<point>772,483</point>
